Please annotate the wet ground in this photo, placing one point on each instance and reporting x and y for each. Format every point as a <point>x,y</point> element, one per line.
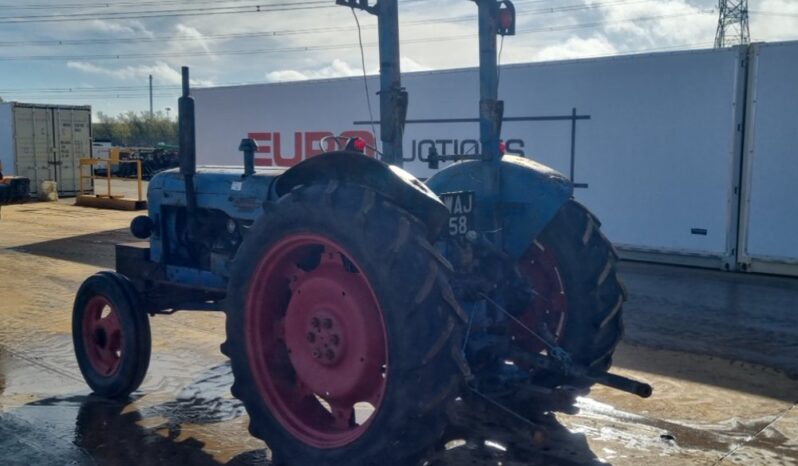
<point>720,349</point>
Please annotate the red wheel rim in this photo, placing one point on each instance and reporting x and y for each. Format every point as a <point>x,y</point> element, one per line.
<point>549,305</point>
<point>316,340</point>
<point>102,336</point>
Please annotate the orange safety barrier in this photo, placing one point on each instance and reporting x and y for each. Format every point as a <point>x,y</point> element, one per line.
<point>108,200</point>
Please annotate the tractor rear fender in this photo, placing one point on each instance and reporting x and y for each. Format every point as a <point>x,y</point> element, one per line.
<point>529,197</point>
<point>397,185</point>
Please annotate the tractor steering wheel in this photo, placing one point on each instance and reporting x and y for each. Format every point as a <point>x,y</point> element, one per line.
<point>338,142</point>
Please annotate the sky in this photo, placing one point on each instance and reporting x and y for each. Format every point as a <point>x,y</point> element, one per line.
<point>90,52</point>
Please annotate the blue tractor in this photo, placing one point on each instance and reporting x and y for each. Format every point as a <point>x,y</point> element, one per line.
<point>360,302</point>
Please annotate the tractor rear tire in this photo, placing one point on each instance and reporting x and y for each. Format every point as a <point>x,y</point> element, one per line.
<point>316,246</point>
<point>574,267</point>
<point>111,335</point>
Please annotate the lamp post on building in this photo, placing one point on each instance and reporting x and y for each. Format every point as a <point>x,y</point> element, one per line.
<point>151,114</point>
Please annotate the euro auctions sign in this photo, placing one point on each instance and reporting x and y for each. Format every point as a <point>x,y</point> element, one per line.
<point>646,139</point>
<point>279,149</point>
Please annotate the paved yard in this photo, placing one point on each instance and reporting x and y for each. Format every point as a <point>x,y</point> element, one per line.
<point>721,351</point>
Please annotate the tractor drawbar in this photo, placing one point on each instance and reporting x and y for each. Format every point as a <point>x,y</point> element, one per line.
<point>559,361</point>
<point>567,368</point>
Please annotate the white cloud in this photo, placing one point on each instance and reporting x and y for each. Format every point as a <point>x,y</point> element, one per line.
<point>777,21</point>
<point>132,28</point>
<point>409,65</point>
<point>193,34</point>
<point>160,71</point>
<point>338,68</point>
<point>577,47</point>
<point>643,25</point>
<point>285,76</point>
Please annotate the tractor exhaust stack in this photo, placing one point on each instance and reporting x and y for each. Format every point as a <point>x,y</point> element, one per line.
<point>188,146</point>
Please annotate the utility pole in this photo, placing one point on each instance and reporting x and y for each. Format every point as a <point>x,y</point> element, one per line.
<point>151,114</point>
<point>732,23</point>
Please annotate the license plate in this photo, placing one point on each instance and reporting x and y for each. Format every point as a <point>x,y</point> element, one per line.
<point>461,212</point>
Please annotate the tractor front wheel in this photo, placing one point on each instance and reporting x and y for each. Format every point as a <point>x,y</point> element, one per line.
<point>111,335</point>
<point>342,330</point>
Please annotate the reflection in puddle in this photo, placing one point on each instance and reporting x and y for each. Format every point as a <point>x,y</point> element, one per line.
<point>204,425</point>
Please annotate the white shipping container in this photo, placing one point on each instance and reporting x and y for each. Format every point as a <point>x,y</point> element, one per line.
<point>651,141</point>
<point>45,143</point>
<point>769,226</point>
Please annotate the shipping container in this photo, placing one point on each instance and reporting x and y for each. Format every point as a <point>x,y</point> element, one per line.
<point>45,143</point>
<point>652,142</point>
<point>769,212</point>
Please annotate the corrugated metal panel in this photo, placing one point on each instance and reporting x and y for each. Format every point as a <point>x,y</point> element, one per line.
<point>72,142</point>
<point>34,144</point>
<point>769,226</point>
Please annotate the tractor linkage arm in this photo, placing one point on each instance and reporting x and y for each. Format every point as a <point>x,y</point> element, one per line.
<point>558,360</point>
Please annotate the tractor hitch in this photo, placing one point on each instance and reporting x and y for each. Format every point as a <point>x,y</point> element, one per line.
<point>568,368</point>
<point>560,361</point>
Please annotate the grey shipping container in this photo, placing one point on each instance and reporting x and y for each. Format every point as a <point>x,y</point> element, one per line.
<point>45,143</point>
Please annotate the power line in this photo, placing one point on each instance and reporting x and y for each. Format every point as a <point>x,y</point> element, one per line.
<point>106,5</point>
<point>143,94</point>
<point>264,51</point>
<point>89,89</point>
<point>90,97</point>
<point>253,8</point>
<point>161,38</point>
<point>773,13</point>
<point>363,65</point>
<point>204,11</point>
<point>230,36</point>
<point>140,91</point>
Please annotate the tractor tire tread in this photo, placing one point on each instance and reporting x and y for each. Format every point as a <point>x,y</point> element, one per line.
<point>410,419</point>
<point>136,359</point>
<point>594,323</point>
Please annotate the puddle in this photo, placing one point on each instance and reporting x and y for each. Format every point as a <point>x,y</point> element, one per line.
<point>203,425</point>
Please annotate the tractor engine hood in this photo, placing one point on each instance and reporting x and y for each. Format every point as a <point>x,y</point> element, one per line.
<point>220,188</point>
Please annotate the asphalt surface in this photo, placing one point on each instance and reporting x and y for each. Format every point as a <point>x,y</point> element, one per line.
<point>720,349</point>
